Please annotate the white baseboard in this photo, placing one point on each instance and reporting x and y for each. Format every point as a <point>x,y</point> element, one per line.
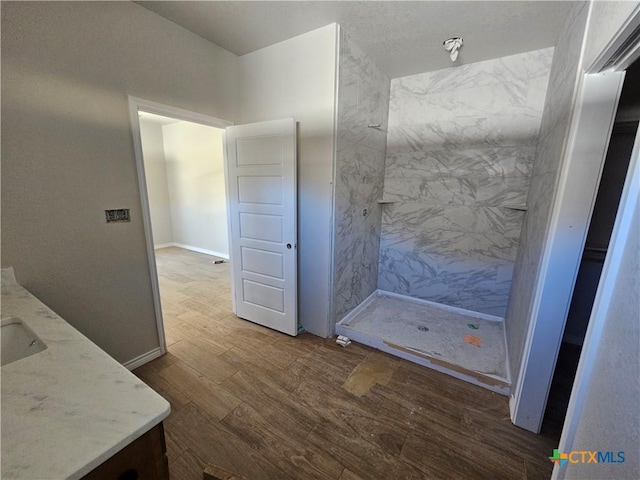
<point>142,359</point>
<point>202,250</point>
<point>193,249</point>
<point>442,306</point>
<point>512,408</point>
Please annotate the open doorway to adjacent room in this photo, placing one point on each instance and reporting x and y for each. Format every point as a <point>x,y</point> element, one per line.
<point>186,192</point>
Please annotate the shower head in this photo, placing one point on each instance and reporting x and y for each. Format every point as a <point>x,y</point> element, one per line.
<point>452,45</point>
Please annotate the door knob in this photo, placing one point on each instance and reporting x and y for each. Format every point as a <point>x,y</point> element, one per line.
<point>288,245</point>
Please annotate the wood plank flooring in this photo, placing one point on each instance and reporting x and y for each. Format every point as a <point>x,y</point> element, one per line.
<point>267,406</point>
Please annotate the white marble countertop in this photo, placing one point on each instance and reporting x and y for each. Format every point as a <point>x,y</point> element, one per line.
<point>70,407</point>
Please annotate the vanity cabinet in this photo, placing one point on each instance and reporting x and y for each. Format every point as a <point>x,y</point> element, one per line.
<point>144,458</point>
<point>68,438</point>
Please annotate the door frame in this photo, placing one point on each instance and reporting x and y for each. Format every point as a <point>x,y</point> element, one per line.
<point>566,235</point>
<point>139,104</point>
<point>628,207</point>
<point>585,152</point>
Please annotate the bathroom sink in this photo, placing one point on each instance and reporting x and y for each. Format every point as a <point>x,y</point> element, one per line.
<point>18,341</point>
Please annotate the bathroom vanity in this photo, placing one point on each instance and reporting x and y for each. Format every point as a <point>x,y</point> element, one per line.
<point>69,410</point>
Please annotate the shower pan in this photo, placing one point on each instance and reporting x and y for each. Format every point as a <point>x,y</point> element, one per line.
<point>464,344</point>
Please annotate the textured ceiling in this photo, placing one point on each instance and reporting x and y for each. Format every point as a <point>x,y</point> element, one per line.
<point>402,37</point>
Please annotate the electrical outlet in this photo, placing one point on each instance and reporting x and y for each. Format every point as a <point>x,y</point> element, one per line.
<point>118,215</point>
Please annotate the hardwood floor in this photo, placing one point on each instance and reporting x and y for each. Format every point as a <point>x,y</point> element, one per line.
<point>268,406</point>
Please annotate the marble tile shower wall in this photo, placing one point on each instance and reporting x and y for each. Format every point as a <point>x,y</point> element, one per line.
<point>363,99</point>
<point>460,150</point>
<point>554,129</point>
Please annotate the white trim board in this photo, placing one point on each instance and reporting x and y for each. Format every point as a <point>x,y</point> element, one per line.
<point>531,387</point>
<point>193,249</point>
<point>136,105</point>
<point>628,207</point>
<point>178,113</point>
<point>142,359</point>
<point>621,36</point>
<point>584,156</point>
<point>229,236</point>
<point>332,317</point>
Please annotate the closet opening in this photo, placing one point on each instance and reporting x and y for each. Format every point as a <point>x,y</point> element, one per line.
<point>595,250</point>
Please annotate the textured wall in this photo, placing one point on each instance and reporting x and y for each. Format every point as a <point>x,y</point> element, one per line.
<point>460,148</point>
<point>196,186</point>
<point>607,18</point>
<point>67,153</point>
<point>155,172</point>
<point>553,132</point>
<point>363,98</point>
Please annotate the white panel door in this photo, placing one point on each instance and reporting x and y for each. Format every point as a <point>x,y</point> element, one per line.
<point>261,178</point>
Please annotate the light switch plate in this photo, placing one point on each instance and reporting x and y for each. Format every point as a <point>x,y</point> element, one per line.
<point>118,215</point>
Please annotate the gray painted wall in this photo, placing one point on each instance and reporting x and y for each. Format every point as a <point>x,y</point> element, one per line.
<point>460,149</point>
<point>67,153</point>
<point>363,99</point>
<point>196,186</point>
<point>546,168</point>
<point>155,172</point>
<point>607,18</point>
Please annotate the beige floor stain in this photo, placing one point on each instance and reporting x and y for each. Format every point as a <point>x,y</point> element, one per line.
<point>374,369</point>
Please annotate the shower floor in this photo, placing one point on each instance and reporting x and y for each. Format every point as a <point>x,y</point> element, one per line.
<point>433,336</point>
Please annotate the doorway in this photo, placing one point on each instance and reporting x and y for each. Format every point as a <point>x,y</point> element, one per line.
<point>181,175</point>
<point>184,174</point>
<point>595,250</point>
<point>185,184</point>
<point>260,224</point>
